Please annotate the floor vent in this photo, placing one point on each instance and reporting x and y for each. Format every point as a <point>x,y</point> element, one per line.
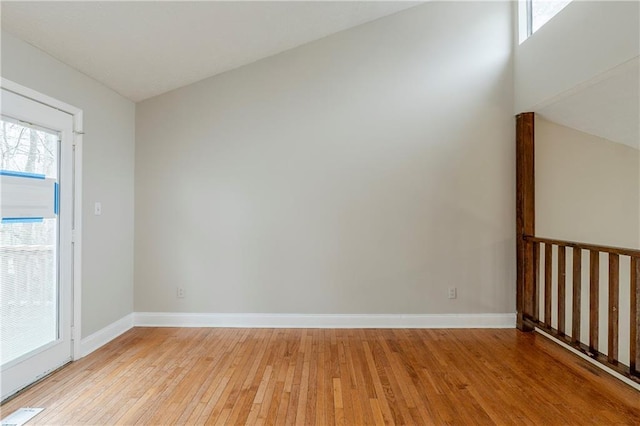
<point>21,416</point>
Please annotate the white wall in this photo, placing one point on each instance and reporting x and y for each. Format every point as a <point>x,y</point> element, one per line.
<point>585,39</point>
<point>587,188</point>
<point>109,124</point>
<point>362,173</point>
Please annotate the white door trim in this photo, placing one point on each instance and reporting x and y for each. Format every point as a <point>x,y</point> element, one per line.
<point>77,200</point>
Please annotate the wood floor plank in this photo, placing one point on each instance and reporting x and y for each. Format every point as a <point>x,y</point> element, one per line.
<point>322,377</point>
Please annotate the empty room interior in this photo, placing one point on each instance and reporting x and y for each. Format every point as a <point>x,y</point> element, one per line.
<point>315,213</point>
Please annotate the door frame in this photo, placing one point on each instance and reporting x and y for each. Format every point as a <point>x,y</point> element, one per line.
<point>76,233</point>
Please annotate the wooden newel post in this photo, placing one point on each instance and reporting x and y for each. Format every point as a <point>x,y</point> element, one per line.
<point>525,220</point>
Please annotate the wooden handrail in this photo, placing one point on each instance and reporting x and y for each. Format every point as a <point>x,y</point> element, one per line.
<point>584,246</point>
<point>542,293</point>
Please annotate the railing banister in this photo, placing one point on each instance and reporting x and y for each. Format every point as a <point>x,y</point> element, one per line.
<point>634,342</point>
<point>548,259</point>
<point>594,299</point>
<point>562,264</point>
<point>614,286</point>
<point>585,246</point>
<point>577,294</point>
<point>536,281</point>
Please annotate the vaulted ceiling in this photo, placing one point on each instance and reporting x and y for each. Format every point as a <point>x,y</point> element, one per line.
<point>143,49</point>
<point>608,106</point>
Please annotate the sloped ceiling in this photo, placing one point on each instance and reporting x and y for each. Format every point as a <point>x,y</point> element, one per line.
<point>143,49</point>
<point>608,107</point>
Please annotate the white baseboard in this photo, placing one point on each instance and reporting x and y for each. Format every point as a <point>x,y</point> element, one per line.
<point>592,361</point>
<point>176,319</point>
<point>105,335</point>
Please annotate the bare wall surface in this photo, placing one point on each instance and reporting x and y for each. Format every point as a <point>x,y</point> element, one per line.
<point>587,188</point>
<point>109,125</point>
<point>363,173</point>
<point>584,40</point>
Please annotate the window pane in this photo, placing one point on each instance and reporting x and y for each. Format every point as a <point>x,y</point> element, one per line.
<point>28,311</point>
<point>543,10</point>
<point>28,249</point>
<point>28,149</point>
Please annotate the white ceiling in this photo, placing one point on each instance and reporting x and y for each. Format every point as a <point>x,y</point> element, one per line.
<point>143,49</point>
<point>608,107</point>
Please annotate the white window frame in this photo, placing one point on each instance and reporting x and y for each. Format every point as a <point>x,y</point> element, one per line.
<point>77,201</point>
<point>525,20</point>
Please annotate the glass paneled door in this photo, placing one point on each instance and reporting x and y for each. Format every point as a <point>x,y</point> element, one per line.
<point>36,205</point>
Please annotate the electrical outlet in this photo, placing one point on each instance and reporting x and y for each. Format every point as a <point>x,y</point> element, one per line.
<point>180,293</point>
<point>453,292</point>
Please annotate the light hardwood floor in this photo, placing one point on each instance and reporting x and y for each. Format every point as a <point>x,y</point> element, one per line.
<point>352,377</point>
